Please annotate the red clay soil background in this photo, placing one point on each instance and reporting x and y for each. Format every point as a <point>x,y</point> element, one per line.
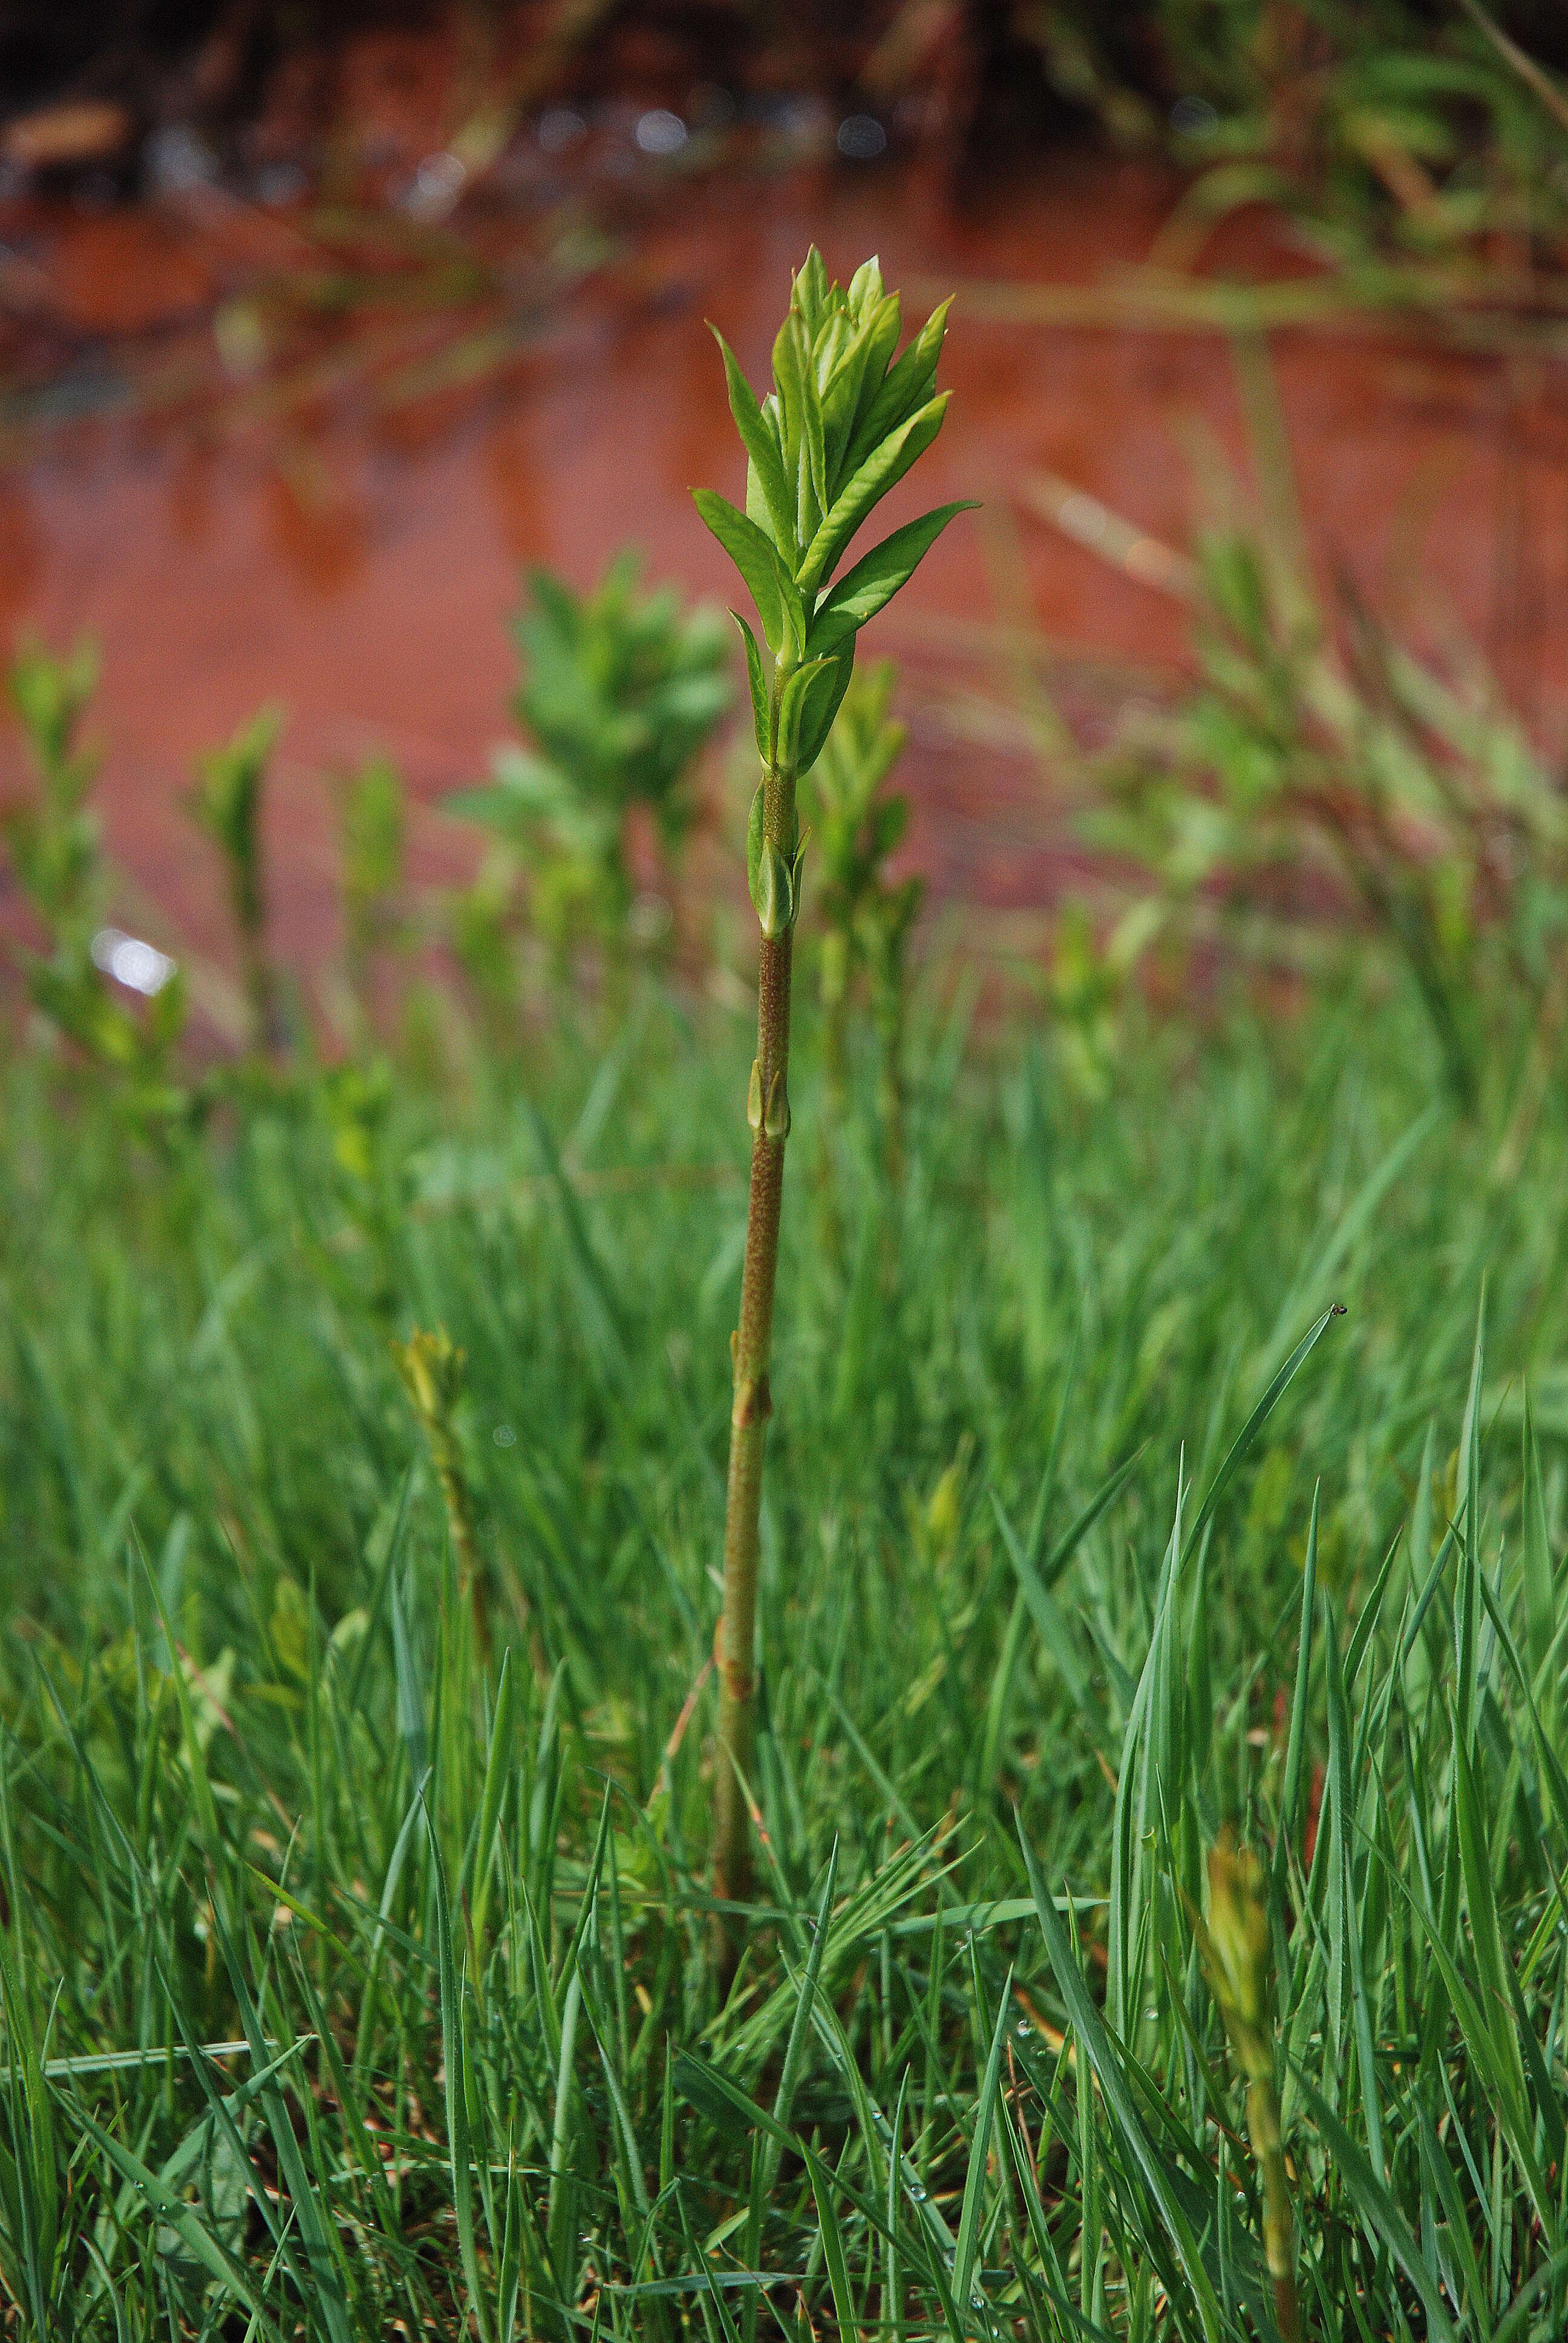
<point>249,479</point>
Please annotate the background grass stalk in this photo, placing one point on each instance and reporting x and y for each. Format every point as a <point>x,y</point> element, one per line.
<point>767,1110</point>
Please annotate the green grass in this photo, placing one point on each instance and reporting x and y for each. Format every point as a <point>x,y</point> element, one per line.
<point>1041,1627</point>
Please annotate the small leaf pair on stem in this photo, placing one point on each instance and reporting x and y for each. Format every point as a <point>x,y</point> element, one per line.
<point>844,421</point>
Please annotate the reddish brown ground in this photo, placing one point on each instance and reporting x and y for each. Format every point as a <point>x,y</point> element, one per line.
<point>334,533</point>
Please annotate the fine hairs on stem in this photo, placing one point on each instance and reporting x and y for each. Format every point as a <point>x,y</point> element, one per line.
<point>844,421</point>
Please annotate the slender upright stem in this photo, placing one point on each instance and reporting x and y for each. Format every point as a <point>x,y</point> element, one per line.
<point>767,1110</point>
<point>1279,2225</point>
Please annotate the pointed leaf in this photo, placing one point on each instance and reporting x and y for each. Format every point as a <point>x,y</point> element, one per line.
<point>1095,2042</point>
<point>906,385</point>
<point>800,2027</point>
<point>754,844</point>
<point>753,555</point>
<point>793,702</point>
<point>1467,1590</point>
<point>979,2148</point>
<point>772,899</point>
<point>1539,1595</point>
<point>169,2207</point>
<point>761,715</point>
<point>1296,1745</point>
<point>877,578</point>
<point>453,2049</point>
<point>822,705</point>
<point>832,2242</point>
<point>882,470</point>
<point>1257,1420</point>
<point>761,449</point>
<point>863,368</point>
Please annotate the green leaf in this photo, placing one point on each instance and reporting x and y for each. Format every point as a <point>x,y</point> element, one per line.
<point>754,556</point>
<point>1296,1745</point>
<point>906,385</point>
<point>822,704</point>
<point>800,2025</point>
<point>525,789</point>
<point>1539,1593</point>
<point>1095,2042</point>
<point>1467,1590</point>
<point>306,2201</point>
<point>882,470</point>
<point>772,898</point>
<point>201,1787</point>
<point>454,2051</point>
<point>1346,1957</point>
<point>761,450</point>
<point>1485,1930</point>
<point>877,578</point>
<point>792,703</point>
<point>1255,1424</point>
<point>801,417</point>
<point>857,379</point>
<point>169,2206</point>
<point>754,844</point>
<point>832,2242</point>
<point>497,1767</point>
<point>974,2179</point>
<point>719,2098</point>
<point>761,714</point>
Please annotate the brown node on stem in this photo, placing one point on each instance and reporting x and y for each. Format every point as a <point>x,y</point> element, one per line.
<point>753,1401</point>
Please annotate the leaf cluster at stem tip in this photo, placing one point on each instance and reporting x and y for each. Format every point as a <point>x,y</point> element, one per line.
<point>841,425</point>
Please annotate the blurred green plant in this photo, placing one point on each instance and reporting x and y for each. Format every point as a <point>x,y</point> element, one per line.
<point>372,820</point>
<point>841,425</point>
<point>372,825</point>
<point>53,840</point>
<point>231,784</point>
<point>1304,768</point>
<point>1373,118</point>
<point>867,916</point>
<point>1319,778</point>
<point>1086,987</point>
<point>621,692</point>
<point>1392,130</point>
<point>430,1368</point>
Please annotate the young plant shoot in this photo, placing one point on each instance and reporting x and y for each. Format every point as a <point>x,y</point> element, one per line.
<point>843,423</point>
<point>231,783</point>
<point>621,692</point>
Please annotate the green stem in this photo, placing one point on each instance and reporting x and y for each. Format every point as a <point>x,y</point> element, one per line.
<point>1279,2226</point>
<point>751,1347</point>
